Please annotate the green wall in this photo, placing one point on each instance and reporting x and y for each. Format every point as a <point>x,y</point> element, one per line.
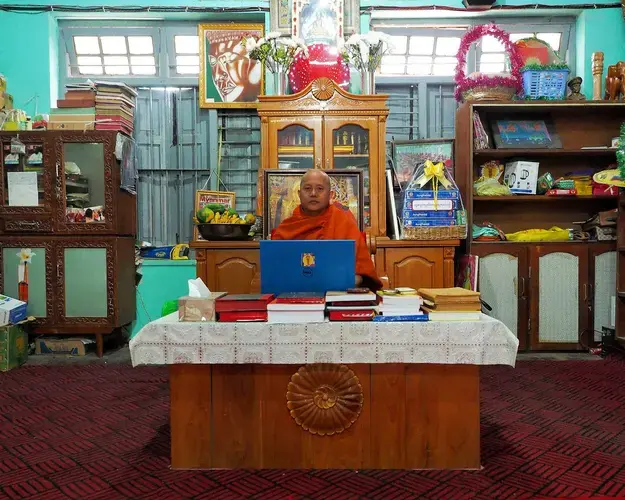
<point>29,52</point>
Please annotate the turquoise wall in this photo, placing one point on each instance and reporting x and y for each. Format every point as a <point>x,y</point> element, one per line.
<point>30,59</point>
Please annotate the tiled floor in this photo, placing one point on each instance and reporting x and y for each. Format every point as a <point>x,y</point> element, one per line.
<point>122,356</point>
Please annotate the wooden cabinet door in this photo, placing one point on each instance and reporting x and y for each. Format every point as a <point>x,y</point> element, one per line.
<point>559,296</point>
<point>601,287</point>
<point>414,267</point>
<point>503,282</point>
<point>26,183</point>
<point>353,143</point>
<point>295,143</point>
<point>233,271</point>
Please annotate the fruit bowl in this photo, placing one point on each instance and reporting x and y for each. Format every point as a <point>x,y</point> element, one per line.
<point>224,232</point>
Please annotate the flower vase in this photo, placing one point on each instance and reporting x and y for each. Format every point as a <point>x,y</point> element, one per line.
<point>367,81</point>
<point>280,80</point>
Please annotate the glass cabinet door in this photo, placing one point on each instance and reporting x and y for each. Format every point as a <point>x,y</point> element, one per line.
<point>349,146</point>
<point>298,145</point>
<point>84,183</point>
<point>23,175</point>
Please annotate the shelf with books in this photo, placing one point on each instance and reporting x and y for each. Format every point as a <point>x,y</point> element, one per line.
<point>505,153</point>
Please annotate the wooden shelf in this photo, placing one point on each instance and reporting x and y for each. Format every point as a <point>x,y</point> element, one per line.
<point>569,242</point>
<point>502,153</point>
<point>532,198</point>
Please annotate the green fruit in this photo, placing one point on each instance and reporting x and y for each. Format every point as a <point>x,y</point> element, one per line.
<point>218,208</point>
<point>205,214</point>
<point>232,211</point>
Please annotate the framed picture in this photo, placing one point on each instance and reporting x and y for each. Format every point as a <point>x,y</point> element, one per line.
<point>203,198</point>
<point>531,133</point>
<point>281,194</point>
<point>228,77</point>
<point>280,16</point>
<point>408,155</point>
<point>318,21</point>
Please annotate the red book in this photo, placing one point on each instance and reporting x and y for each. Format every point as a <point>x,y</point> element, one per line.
<point>75,103</point>
<point>360,315</point>
<point>235,316</point>
<point>300,298</point>
<point>243,302</point>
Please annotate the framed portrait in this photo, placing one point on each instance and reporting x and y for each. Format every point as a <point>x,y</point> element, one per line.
<point>535,132</point>
<point>317,21</point>
<point>281,194</point>
<point>203,198</point>
<point>408,155</point>
<point>280,16</point>
<point>228,77</point>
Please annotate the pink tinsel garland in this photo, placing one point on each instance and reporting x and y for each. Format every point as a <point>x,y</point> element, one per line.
<point>465,83</point>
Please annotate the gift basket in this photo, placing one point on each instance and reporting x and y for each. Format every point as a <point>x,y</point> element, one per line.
<point>433,208</point>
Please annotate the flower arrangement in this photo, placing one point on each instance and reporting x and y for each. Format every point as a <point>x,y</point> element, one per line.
<point>464,84</point>
<point>275,52</point>
<point>365,52</point>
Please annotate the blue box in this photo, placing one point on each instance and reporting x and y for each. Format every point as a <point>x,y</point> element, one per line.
<point>422,194</point>
<point>12,311</point>
<point>431,222</point>
<point>428,214</point>
<point>426,205</point>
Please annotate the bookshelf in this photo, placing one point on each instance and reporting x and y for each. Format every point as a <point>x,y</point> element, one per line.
<point>552,295</point>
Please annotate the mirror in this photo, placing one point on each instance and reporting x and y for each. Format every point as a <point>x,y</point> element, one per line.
<point>84,182</point>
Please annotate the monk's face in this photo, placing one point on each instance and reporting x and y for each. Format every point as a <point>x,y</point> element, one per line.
<point>314,192</point>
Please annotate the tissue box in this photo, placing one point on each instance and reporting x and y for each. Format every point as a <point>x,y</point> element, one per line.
<point>198,309</point>
<point>11,310</point>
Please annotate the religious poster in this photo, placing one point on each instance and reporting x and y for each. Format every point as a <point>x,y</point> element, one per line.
<point>281,12</point>
<point>228,77</point>
<point>281,195</point>
<point>318,21</point>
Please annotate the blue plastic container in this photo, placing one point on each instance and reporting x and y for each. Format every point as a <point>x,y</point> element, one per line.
<point>545,83</point>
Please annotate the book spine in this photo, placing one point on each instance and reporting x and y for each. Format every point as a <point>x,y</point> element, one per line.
<point>430,205</point>
<point>422,194</point>
<point>390,319</point>
<point>423,214</point>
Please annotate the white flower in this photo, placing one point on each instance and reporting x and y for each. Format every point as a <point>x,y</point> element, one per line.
<point>251,44</point>
<point>25,255</point>
<point>273,34</point>
<point>353,40</point>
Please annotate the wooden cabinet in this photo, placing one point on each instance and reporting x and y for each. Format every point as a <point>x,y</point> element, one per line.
<point>75,286</point>
<point>552,296</point>
<point>325,127</point>
<point>232,267</point>
<point>62,199</point>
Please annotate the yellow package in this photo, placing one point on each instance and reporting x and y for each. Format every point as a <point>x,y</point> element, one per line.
<point>552,234</point>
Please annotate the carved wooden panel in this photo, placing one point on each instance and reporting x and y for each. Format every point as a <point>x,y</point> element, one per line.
<point>110,193</point>
<point>415,267</point>
<point>110,282</point>
<point>324,399</point>
<point>36,242</point>
<point>28,226</point>
<point>235,271</point>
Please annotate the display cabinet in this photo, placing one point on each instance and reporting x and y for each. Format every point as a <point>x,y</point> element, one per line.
<point>67,231</point>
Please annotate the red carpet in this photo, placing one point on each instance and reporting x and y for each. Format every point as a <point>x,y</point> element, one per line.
<point>550,429</point>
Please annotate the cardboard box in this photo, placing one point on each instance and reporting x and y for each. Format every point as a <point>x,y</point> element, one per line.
<point>12,311</point>
<point>13,345</point>
<point>521,176</point>
<point>71,346</point>
<point>198,308</point>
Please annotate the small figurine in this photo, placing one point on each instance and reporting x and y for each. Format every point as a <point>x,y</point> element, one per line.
<point>613,84</point>
<point>575,84</point>
<point>597,75</point>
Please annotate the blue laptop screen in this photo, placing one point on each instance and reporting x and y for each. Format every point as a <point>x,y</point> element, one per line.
<point>307,266</point>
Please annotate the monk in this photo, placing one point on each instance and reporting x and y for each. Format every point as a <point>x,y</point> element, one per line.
<point>316,219</point>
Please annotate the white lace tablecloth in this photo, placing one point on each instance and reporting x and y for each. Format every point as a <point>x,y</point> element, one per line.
<point>167,341</point>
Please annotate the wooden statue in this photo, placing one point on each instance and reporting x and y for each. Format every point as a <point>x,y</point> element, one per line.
<point>597,75</point>
<point>575,85</point>
<point>613,84</point>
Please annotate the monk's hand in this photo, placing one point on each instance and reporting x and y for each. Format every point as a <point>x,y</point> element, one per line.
<point>358,280</point>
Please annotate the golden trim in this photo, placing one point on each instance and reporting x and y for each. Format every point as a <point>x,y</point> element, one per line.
<point>202,27</point>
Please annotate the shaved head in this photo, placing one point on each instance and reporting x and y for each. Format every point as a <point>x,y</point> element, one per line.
<point>314,192</point>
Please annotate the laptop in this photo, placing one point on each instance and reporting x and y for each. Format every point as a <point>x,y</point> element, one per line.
<point>307,266</point>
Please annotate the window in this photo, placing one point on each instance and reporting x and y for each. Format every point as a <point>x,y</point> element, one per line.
<point>492,52</point>
<point>114,55</point>
<point>421,55</point>
<point>187,49</point>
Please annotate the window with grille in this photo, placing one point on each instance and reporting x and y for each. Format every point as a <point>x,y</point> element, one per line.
<point>421,55</point>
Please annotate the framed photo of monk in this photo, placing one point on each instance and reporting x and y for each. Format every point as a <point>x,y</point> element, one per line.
<point>281,194</point>
<point>228,77</point>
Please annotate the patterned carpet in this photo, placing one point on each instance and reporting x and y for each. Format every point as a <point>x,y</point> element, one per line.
<point>550,429</point>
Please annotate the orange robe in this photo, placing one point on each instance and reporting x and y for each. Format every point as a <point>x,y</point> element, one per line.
<point>333,224</point>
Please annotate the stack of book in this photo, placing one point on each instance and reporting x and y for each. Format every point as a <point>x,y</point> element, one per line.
<point>356,305</point>
<point>242,307</point>
<point>303,307</point>
<point>451,304</point>
<point>115,107</point>
<point>76,111</point>
<point>400,304</point>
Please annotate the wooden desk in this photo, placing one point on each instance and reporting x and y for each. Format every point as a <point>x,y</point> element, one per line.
<point>234,266</point>
<point>385,395</point>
